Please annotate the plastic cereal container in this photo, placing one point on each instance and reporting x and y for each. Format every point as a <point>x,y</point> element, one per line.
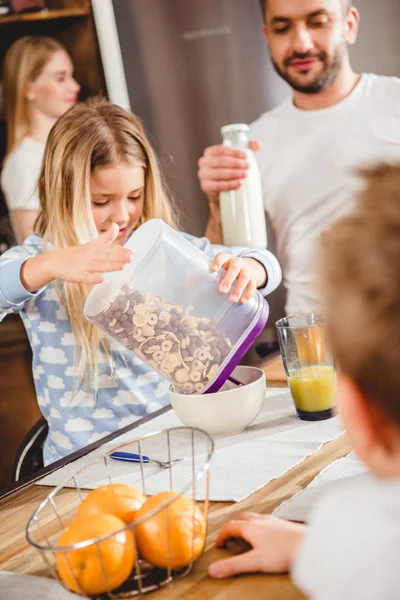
<point>165,307</point>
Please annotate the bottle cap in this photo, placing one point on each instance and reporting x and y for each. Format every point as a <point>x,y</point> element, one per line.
<point>235,127</point>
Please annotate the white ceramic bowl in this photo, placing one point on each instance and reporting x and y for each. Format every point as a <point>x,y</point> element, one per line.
<point>226,412</point>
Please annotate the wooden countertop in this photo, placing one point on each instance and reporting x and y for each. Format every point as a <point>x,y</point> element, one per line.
<point>17,556</point>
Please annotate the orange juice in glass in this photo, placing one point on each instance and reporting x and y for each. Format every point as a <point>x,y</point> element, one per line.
<point>308,364</point>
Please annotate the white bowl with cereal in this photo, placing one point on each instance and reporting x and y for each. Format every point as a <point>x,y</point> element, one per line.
<point>226,412</point>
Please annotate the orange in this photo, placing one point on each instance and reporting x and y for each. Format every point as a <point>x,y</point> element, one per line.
<point>118,499</point>
<point>117,554</point>
<point>184,523</point>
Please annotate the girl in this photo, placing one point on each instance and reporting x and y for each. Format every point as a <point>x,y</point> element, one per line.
<point>38,89</point>
<point>99,181</point>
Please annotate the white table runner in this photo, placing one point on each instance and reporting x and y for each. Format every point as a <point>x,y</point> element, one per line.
<point>274,443</point>
<point>300,506</point>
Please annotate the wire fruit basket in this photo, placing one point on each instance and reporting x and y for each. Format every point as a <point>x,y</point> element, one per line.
<point>179,465</point>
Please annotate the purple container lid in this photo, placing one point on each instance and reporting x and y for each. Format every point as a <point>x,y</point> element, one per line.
<point>257,327</point>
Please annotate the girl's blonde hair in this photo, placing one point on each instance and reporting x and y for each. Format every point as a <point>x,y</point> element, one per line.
<point>24,62</point>
<point>90,136</point>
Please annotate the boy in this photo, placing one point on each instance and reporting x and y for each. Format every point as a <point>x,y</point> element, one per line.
<point>351,548</point>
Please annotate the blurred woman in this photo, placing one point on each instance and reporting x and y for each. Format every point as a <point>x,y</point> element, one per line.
<point>39,87</point>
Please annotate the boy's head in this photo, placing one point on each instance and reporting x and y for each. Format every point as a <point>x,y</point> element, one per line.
<point>361,273</point>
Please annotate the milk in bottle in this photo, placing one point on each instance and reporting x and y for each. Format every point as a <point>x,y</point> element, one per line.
<point>242,210</point>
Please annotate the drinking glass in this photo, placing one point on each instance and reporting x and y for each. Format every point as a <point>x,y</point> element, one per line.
<point>309,366</point>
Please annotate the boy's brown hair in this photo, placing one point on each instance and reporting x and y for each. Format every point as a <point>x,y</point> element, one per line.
<point>361,288</point>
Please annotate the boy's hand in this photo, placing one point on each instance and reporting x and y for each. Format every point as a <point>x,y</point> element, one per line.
<point>244,274</point>
<point>274,545</point>
<point>85,264</point>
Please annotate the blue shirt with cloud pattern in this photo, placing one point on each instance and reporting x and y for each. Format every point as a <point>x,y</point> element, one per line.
<point>127,388</point>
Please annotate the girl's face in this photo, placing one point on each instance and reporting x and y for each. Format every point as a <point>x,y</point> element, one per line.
<point>55,90</point>
<point>117,197</point>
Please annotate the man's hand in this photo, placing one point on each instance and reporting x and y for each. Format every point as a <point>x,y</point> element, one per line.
<point>222,168</point>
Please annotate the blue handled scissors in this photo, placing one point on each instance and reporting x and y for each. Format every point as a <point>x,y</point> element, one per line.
<point>137,458</point>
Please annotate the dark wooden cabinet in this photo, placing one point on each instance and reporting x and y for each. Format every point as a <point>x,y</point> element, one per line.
<point>71,22</point>
<point>18,405</point>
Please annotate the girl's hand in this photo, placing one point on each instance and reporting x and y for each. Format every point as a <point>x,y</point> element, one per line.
<point>246,274</point>
<point>274,545</point>
<point>85,264</point>
<point>79,264</point>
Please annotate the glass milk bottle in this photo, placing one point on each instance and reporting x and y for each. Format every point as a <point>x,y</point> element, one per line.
<point>242,210</point>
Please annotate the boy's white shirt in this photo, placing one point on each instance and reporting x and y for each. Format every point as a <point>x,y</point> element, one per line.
<point>351,550</point>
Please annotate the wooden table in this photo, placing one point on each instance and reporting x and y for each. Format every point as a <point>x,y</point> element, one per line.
<point>17,556</point>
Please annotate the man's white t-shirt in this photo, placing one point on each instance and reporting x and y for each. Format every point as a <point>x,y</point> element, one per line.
<point>309,162</point>
<point>20,175</point>
<point>351,550</point>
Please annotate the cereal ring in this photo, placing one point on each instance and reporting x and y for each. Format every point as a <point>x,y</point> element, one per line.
<point>195,376</point>
<point>137,335</point>
<point>197,365</point>
<point>188,387</point>
<point>158,356</point>
<point>201,354</point>
<point>154,348</point>
<point>166,346</point>
<point>152,319</point>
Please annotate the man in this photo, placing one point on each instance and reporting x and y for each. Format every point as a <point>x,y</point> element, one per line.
<point>313,144</point>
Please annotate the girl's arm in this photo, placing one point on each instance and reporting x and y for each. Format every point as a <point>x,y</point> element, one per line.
<point>13,294</point>
<point>24,274</point>
<point>78,264</point>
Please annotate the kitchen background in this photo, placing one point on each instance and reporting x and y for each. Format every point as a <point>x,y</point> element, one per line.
<point>186,67</point>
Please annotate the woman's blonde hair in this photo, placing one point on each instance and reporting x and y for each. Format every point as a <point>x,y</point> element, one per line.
<point>24,62</point>
<point>90,136</point>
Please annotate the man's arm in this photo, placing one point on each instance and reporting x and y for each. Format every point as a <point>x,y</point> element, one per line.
<point>214,229</point>
<point>22,222</point>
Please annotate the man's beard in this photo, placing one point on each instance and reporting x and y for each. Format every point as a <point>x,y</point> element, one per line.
<point>323,80</point>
